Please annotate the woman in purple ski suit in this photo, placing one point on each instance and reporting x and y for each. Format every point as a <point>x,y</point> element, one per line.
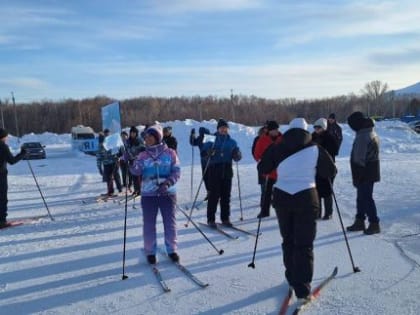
<point>159,170</point>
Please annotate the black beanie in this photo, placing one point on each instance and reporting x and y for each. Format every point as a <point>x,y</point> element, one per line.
<point>135,130</point>
<point>332,116</point>
<point>3,133</point>
<point>356,121</point>
<point>272,125</point>
<point>222,123</point>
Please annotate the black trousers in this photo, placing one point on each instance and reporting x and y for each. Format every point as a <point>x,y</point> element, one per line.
<point>298,230</point>
<point>266,196</point>
<point>3,196</point>
<point>219,182</point>
<point>111,173</point>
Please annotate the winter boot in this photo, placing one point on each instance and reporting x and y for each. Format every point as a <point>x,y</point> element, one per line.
<point>212,224</point>
<point>227,223</point>
<point>151,259</point>
<point>373,229</point>
<point>358,225</point>
<point>174,257</point>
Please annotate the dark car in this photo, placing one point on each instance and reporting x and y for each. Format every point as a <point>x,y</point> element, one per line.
<point>35,150</point>
<point>415,125</point>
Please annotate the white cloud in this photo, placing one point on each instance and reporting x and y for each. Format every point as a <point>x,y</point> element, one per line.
<point>184,6</point>
<point>352,20</point>
<point>24,82</point>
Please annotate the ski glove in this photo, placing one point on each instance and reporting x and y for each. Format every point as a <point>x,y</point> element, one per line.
<point>163,188</point>
<point>23,152</point>
<point>236,155</point>
<point>209,153</point>
<point>193,131</point>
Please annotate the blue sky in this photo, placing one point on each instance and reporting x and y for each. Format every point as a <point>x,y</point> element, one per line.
<point>275,49</point>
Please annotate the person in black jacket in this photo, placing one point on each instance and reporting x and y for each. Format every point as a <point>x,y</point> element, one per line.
<point>334,129</point>
<point>169,139</point>
<point>6,157</point>
<point>324,186</point>
<point>295,198</point>
<point>135,145</point>
<point>365,170</point>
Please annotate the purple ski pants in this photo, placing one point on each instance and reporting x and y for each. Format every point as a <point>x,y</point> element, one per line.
<point>151,205</point>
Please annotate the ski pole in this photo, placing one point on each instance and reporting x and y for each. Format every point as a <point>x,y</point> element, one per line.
<point>192,173</point>
<point>239,192</point>
<point>252,263</point>
<point>40,192</point>
<point>199,186</point>
<point>219,251</point>
<point>124,276</point>
<point>355,269</point>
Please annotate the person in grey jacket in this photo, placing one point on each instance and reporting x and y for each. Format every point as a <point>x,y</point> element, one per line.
<point>365,169</point>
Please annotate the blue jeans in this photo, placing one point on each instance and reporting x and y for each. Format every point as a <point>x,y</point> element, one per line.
<point>365,203</point>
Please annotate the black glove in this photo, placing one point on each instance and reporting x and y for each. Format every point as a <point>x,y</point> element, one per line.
<point>209,153</point>
<point>193,131</point>
<point>23,151</point>
<point>236,155</point>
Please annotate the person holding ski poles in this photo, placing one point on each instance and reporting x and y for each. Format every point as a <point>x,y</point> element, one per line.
<point>271,136</point>
<point>298,161</point>
<point>158,168</point>
<point>198,142</point>
<point>6,157</point>
<point>220,153</point>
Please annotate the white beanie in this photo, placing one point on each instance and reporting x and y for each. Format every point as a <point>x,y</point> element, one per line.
<point>321,122</point>
<point>156,131</point>
<point>298,123</point>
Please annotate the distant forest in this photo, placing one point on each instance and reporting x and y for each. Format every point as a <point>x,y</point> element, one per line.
<point>60,116</point>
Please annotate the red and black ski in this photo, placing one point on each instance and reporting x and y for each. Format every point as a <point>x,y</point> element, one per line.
<point>315,293</point>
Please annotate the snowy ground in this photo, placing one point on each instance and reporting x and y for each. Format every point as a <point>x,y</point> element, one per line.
<point>73,265</point>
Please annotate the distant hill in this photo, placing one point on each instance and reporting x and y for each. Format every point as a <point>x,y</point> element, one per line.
<point>409,90</point>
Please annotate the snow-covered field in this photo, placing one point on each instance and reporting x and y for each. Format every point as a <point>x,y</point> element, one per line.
<point>73,265</point>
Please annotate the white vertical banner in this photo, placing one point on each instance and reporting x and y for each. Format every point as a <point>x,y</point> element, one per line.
<point>111,118</point>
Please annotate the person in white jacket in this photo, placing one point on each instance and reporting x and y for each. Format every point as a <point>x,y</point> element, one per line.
<point>298,161</point>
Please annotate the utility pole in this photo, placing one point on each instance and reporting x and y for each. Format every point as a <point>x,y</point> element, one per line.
<point>2,118</point>
<point>16,121</point>
<point>200,109</point>
<point>232,104</point>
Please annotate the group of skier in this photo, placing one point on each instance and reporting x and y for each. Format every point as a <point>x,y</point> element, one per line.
<point>296,171</point>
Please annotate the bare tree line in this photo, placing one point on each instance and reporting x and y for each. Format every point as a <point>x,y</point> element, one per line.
<point>60,116</point>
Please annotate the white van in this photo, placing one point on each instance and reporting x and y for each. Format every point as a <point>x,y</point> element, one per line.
<point>83,139</point>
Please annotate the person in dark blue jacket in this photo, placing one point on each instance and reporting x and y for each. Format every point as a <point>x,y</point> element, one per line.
<point>198,142</point>
<point>220,152</point>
